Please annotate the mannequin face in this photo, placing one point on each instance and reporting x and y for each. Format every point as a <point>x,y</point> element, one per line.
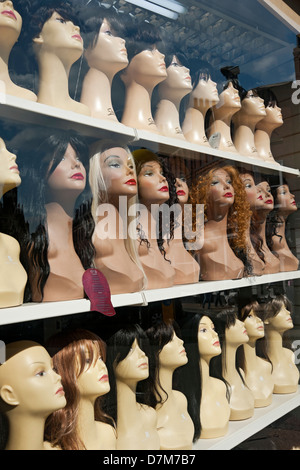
<point>268,201</point>
<point>253,105</point>
<point>254,326</point>
<point>281,322</point>
<point>27,380</point>
<point>10,18</point>
<point>148,64</point>
<point>178,76</point>
<point>254,193</point>
<point>274,115</point>
<point>221,191</point>
<point>208,339</point>
<point>135,365</point>
<point>285,200</point>
<point>236,334</point>
<point>58,34</point>
<point>179,170</point>
<point>9,172</point>
<point>229,98</point>
<point>118,172</point>
<point>69,174</point>
<point>94,381</point>
<point>152,184</point>
<point>173,354</point>
<point>206,91</point>
<point>108,49</point>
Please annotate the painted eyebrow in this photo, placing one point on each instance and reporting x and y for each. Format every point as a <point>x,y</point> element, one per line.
<point>109,156</point>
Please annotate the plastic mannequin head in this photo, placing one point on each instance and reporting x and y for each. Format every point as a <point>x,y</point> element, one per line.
<point>10,24</point>
<point>103,34</point>
<point>206,192</point>
<point>9,172</point>
<point>79,358</point>
<point>266,194</point>
<point>252,105</point>
<point>179,170</point>
<point>274,115</point>
<point>146,62</point>
<point>178,79</point>
<point>200,341</point>
<point>167,352</point>
<point>253,192</point>
<point>251,317</point>
<point>28,384</point>
<point>127,362</point>
<point>229,99</point>
<point>276,314</point>
<point>35,195</point>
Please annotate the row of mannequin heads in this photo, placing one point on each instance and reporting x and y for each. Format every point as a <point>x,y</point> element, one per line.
<point>57,43</point>
<point>163,387</point>
<point>61,215</point>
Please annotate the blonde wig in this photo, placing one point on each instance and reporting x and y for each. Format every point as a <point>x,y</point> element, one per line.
<point>100,196</point>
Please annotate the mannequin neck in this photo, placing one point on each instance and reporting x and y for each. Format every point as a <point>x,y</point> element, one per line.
<point>274,343</point>
<point>54,78</point>
<point>148,221</point>
<point>250,354</point>
<point>218,219</point>
<point>165,381</point>
<point>86,425</point>
<point>25,432</point>
<point>204,371</point>
<point>229,361</point>
<point>96,93</point>
<point>59,222</point>
<point>261,225</point>
<point>127,405</point>
<point>137,109</point>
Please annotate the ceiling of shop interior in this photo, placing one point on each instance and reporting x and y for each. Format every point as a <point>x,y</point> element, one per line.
<point>221,32</point>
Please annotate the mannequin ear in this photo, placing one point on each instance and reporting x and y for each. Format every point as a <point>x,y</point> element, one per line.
<point>38,39</point>
<point>8,395</point>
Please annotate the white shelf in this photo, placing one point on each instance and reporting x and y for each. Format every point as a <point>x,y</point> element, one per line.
<point>39,311</point>
<point>28,112</point>
<point>239,431</point>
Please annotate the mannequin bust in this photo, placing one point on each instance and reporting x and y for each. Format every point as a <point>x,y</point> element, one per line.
<point>13,276</point>
<point>171,92</point>
<point>226,211</point>
<point>186,267</point>
<point>57,45</point>
<point>266,127</point>
<point>258,371</point>
<point>276,314</point>
<point>209,397</point>
<point>146,69</point>
<point>233,334</point>
<point>106,55</point>
<point>79,358</point>
<point>245,121</point>
<point>10,30</point>
<point>56,204</point>
<point>127,366</point>
<point>284,206</point>
<point>222,114</point>
<point>272,263</point>
<point>255,200</point>
<point>153,191</point>
<point>30,391</point>
<point>174,425</point>
<point>113,180</point>
<point>203,97</point>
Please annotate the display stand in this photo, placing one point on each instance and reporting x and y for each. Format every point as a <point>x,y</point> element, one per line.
<point>22,112</point>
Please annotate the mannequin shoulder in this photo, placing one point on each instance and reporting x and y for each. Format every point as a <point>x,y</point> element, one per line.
<point>149,414</point>
<point>180,399</point>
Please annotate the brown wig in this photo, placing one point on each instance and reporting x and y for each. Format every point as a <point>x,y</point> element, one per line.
<point>68,350</point>
<point>239,213</point>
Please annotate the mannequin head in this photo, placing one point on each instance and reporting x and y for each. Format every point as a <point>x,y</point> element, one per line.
<point>276,314</point>
<point>201,342</point>
<point>250,316</point>
<point>229,103</point>
<point>178,82</point>
<point>28,384</point>
<point>79,358</point>
<point>222,191</point>
<point>253,192</point>
<point>167,353</point>
<point>57,177</point>
<point>53,30</point>
<point>273,117</point>
<point>146,63</point>
<point>268,200</point>
<point>10,25</point>
<point>127,363</point>
<point>252,110</point>
<point>9,171</point>
<point>103,34</point>
<point>179,170</point>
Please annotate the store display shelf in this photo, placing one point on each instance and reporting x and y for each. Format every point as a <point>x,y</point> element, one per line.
<point>239,431</point>
<point>23,111</point>
<point>39,311</point>
<point>179,147</point>
<point>28,112</point>
<point>203,287</point>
